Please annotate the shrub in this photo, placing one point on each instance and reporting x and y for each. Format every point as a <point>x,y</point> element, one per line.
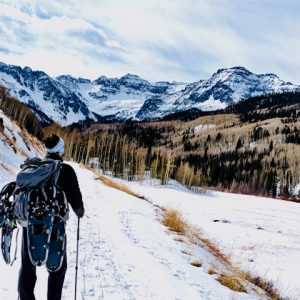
<point>265,285</point>
<point>232,283</point>
<point>196,263</point>
<point>212,269</point>
<point>174,221</point>
<point>1,125</point>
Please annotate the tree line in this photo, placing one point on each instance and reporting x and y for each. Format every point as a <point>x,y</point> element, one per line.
<point>21,113</point>
<point>126,153</point>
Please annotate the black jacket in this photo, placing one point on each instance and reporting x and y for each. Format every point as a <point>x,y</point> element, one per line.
<point>67,180</point>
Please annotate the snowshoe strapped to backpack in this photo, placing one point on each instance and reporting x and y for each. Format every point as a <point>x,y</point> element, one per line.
<point>7,219</point>
<point>5,200</point>
<point>39,202</point>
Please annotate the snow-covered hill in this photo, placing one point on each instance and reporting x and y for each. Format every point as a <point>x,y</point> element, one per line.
<point>66,99</point>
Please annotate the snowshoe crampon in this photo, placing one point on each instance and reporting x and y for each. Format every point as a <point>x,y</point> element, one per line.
<point>5,201</point>
<point>6,219</point>
<point>2,214</point>
<point>39,226</point>
<point>57,245</point>
<point>58,236</point>
<point>6,238</point>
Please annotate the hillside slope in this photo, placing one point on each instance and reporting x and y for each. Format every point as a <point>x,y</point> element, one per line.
<point>16,145</point>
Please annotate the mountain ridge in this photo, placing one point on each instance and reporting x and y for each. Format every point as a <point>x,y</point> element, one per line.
<point>66,99</point>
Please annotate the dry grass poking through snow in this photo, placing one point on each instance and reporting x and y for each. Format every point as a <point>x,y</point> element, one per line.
<point>179,239</point>
<point>174,221</point>
<point>113,184</point>
<point>232,282</point>
<point>212,270</point>
<point>197,263</point>
<point>197,238</point>
<point>267,286</point>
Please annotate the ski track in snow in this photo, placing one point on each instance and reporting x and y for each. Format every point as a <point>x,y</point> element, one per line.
<point>125,253</point>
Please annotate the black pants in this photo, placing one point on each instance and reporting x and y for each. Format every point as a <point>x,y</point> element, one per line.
<point>27,276</point>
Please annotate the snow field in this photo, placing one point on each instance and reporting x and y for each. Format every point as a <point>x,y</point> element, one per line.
<point>259,234</point>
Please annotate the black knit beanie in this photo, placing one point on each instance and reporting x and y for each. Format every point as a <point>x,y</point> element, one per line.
<point>51,141</point>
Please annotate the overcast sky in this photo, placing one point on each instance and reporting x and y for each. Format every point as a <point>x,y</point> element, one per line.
<point>183,40</point>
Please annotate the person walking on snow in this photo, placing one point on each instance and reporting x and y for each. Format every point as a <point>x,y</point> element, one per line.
<point>68,182</point>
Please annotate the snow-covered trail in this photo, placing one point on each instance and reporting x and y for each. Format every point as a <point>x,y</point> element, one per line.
<point>125,253</point>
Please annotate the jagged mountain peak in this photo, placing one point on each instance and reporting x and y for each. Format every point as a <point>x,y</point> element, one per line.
<point>134,82</point>
<point>131,76</point>
<point>44,94</point>
<point>10,69</point>
<point>240,71</point>
<point>27,69</point>
<point>102,77</point>
<point>69,79</point>
<point>66,77</point>
<point>105,80</point>
<point>269,75</point>
<point>227,73</point>
<point>236,69</point>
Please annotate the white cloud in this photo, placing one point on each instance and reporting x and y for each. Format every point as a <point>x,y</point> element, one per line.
<point>159,40</point>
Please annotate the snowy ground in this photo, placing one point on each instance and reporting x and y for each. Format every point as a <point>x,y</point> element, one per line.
<point>260,234</point>
<point>125,253</point>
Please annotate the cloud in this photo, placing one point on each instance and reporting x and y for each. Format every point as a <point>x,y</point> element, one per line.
<point>44,14</point>
<point>4,50</point>
<point>95,37</point>
<point>25,8</point>
<point>89,36</point>
<point>158,40</point>
<point>26,31</point>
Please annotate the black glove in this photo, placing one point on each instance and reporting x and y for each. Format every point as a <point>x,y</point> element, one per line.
<point>79,212</point>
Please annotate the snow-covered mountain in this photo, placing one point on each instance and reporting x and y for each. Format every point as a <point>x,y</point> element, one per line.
<point>66,99</point>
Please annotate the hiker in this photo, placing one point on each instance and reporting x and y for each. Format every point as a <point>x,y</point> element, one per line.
<point>67,180</point>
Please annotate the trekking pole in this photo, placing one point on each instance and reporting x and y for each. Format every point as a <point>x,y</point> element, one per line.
<point>76,267</point>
